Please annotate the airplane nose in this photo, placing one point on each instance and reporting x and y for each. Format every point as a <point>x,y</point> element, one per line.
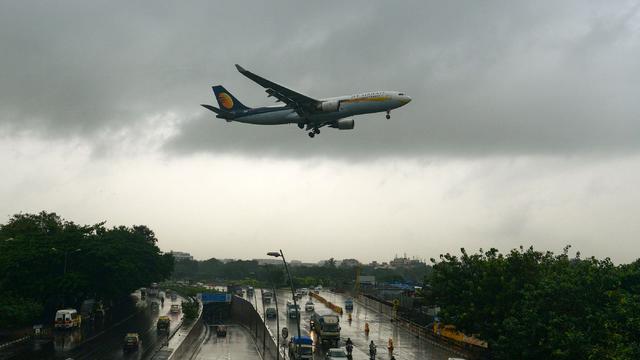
<point>405,100</point>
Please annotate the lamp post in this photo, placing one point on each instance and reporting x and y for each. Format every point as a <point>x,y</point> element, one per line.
<point>293,292</point>
<point>275,298</point>
<point>66,255</point>
<point>64,271</point>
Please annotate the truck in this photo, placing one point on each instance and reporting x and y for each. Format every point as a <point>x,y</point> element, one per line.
<point>301,348</point>
<point>326,325</point>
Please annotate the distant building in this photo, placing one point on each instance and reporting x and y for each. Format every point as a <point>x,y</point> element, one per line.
<point>404,262</point>
<point>180,256</point>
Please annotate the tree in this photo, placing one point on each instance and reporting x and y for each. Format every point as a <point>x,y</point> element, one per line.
<point>534,305</point>
<point>47,262</point>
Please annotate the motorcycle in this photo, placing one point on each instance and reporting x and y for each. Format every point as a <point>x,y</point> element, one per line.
<point>372,352</point>
<point>349,351</point>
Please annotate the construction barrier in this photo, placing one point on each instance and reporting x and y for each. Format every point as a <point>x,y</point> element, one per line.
<point>328,303</point>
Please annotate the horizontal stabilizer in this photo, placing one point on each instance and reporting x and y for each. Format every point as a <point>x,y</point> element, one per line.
<point>221,113</point>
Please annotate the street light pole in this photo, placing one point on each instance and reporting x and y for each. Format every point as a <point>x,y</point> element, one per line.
<point>275,298</point>
<point>64,270</point>
<point>293,293</point>
<point>66,254</point>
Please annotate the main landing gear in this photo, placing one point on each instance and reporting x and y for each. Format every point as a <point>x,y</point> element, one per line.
<point>314,132</point>
<point>388,115</point>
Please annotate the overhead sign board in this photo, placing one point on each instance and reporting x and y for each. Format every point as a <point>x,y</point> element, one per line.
<point>215,298</point>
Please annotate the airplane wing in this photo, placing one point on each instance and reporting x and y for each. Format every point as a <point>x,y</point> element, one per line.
<point>302,104</point>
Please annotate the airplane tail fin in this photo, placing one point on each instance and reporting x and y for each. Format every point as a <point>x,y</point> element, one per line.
<point>227,101</point>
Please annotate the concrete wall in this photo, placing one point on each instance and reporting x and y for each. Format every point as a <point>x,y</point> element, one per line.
<point>243,313</point>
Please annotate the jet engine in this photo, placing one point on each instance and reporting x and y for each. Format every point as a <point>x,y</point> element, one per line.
<point>344,124</point>
<point>330,106</point>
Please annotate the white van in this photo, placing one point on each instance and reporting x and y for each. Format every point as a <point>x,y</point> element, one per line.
<point>67,319</point>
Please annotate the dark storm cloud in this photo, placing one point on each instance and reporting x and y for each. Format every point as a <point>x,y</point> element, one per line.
<point>486,77</point>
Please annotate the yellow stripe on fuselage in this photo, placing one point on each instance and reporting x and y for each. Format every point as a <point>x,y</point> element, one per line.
<point>379,98</point>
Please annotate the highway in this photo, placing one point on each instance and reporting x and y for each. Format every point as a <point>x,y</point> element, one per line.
<point>108,345</point>
<point>406,345</point>
<point>237,345</point>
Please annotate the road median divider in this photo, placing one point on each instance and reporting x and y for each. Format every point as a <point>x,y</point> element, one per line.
<point>328,303</point>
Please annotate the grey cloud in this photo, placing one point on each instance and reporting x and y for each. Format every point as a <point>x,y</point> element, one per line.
<point>486,77</point>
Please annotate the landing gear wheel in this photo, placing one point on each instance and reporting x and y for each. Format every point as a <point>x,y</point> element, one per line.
<point>311,134</point>
<point>301,125</point>
<point>388,116</point>
<point>316,130</point>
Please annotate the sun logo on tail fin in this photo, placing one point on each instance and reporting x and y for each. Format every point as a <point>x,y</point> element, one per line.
<point>225,100</point>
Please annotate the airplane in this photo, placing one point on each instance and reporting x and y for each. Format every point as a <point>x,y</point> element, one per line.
<point>309,113</point>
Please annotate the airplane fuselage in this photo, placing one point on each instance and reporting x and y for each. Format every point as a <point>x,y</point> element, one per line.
<point>342,107</point>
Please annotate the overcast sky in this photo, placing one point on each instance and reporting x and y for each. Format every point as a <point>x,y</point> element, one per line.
<point>524,127</point>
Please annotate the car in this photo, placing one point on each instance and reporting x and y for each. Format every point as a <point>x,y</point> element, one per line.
<point>336,354</point>
<point>163,324</point>
<point>175,309</point>
<point>271,313</point>
<point>309,306</point>
<point>221,331</point>
<point>131,342</point>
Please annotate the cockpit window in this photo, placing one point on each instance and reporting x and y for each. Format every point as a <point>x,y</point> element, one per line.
<point>401,94</point>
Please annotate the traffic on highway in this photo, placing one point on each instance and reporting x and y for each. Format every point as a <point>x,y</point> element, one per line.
<point>136,336</point>
<point>381,329</point>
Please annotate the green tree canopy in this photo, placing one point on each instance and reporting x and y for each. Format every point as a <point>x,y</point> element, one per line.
<point>48,261</point>
<point>537,305</point>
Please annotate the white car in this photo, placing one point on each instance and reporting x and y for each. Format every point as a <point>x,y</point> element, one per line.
<point>309,306</point>
<point>336,354</point>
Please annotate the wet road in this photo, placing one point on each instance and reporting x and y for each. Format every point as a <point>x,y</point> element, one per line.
<point>109,345</point>
<point>406,345</point>
<point>237,345</point>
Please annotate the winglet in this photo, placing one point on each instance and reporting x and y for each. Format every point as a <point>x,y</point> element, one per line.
<point>240,68</point>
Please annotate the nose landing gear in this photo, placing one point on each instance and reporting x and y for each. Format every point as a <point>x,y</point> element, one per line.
<point>388,115</point>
